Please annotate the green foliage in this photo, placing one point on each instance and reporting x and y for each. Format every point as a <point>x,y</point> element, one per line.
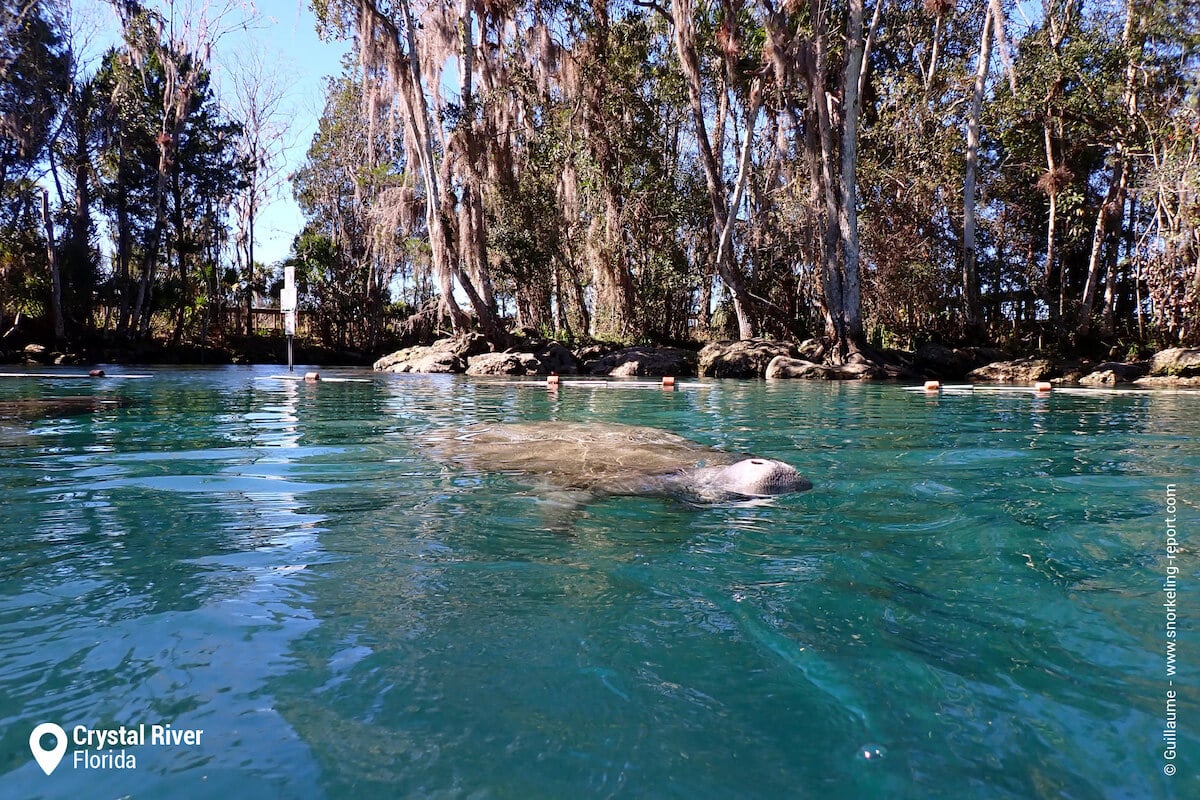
<point>34,69</point>
<point>364,224</point>
<point>573,194</point>
<point>34,73</point>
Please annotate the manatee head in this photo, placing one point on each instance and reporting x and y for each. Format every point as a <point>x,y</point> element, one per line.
<point>750,477</point>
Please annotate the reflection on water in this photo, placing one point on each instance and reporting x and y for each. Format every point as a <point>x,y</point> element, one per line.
<point>968,603</point>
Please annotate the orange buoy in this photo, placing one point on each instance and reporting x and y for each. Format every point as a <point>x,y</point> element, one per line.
<point>96,373</point>
<point>312,376</point>
<point>1042,386</point>
<point>668,383</point>
<point>552,382</point>
<point>932,386</point>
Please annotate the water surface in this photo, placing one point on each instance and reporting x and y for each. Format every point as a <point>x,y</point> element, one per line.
<point>969,603</point>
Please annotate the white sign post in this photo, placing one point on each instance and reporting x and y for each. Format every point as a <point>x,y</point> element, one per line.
<point>287,306</point>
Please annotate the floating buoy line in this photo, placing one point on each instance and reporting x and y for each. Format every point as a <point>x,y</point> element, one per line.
<point>315,377</point>
<point>64,376</point>
<point>555,382</point>
<point>1040,389</point>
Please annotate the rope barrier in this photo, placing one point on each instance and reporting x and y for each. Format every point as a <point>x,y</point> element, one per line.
<point>96,373</point>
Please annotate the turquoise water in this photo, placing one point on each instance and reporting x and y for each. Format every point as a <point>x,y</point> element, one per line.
<point>969,603</point>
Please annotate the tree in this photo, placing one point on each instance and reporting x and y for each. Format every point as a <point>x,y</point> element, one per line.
<point>711,157</point>
<point>970,249</point>
<point>388,44</point>
<point>366,215</point>
<point>34,65</point>
<point>258,104</point>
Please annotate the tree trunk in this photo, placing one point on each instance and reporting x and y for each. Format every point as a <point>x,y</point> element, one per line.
<point>142,305</point>
<point>1058,27</point>
<point>826,185</point>
<point>935,50</point>
<point>685,45</point>
<point>862,75</point>
<point>60,328</point>
<point>1110,283</point>
<point>418,109</point>
<point>473,248</point>
<point>442,250</point>
<point>123,287</point>
<point>725,243</point>
<point>998,27</point>
<point>248,235</point>
<point>1108,218</point>
<point>1051,225</point>
<point>848,218</point>
<point>83,275</point>
<point>177,106</point>
<point>970,277</point>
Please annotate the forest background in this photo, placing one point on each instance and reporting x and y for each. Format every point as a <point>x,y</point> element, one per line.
<point>878,174</point>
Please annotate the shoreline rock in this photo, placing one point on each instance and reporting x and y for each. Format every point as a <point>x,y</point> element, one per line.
<point>747,358</point>
<point>1182,362</point>
<point>550,359</point>
<point>443,356</point>
<point>933,360</point>
<point>783,367</point>
<point>1020,370</point>
<point>644,362</point>
<point>1111,373</point>
<point>1168,382</point>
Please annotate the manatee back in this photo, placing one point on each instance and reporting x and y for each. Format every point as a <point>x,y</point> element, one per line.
<point>599,457</point>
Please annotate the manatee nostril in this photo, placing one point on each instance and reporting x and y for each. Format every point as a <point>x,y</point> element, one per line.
<point>758,462</point>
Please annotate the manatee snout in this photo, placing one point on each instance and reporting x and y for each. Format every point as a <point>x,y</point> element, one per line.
<point>763,476</point>
<point>750,477</point>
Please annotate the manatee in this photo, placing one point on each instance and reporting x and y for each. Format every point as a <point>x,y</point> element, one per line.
<point>607,459</point>
<point>16,415</point>
<point>56,407</point>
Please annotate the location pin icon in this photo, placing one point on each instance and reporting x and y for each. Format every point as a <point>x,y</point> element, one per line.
<point>48,759</point>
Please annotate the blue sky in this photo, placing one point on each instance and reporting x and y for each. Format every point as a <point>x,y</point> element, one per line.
<point>284,33</point>
<point>288,34</point>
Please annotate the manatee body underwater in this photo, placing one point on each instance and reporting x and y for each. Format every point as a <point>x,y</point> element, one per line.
<point>608,459</point>
<point>16,415</point>
<point>36,408</point>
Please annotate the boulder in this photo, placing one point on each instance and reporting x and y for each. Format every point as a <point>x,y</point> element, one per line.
<point>385,363</point>
<point>591,352</point>
<point>1022,370</point>
<point>556,359</point>
<point>1113,372</point>
<point>644,361</point>
<point>552,358</point>
<point>36,354</point>
<point>812,350</point>
<point>499,364</point>
<point>868,362</point>
<point>1179,361</point>
<point>422,359</point>
<point>1168,382</point>
<point>747,358</point>
<point>940,361</point>
<point>444,355</point>
<point>984,355</point>
<point>786,367</point>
